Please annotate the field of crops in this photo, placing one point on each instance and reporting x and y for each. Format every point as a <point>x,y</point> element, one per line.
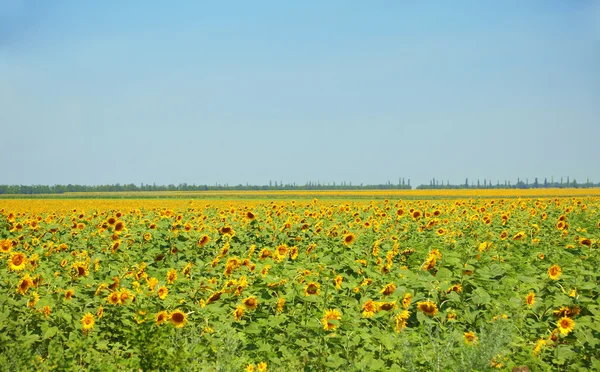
<point>455,283</point>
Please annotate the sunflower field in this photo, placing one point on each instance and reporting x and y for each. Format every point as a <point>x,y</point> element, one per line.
<point>334,284</point>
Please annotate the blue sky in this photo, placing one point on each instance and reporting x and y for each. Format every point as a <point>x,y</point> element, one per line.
<point>96,92</point>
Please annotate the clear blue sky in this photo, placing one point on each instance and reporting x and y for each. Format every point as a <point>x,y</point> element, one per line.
<point>96,92</point>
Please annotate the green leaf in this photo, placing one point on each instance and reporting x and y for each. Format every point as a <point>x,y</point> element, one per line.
<point>50,332</point>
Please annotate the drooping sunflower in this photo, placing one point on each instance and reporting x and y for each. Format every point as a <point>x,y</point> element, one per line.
<point>519,236</point>
<point>312,288</point>
<point>530,299</point>
<point>17,261</point>
<point>178,318</point>
<point>161,317</point>
<point>427,307</point>
<point>470,338</point>
<point>69,294</point>
<point>87,322</point>
<point>388,289</point>
<point>238,313</point>
<point>331,315</point>
<point>565,325</point>
<point>251,303</point>
<point>554,272</point>
<point>429,263</point>
<point>213,297</point>
<point>400,321</point>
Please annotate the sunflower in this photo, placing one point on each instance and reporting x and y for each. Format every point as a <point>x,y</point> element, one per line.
<point>530,299</point>
<point>226,230</point>
<point>24,284</point>
<point>147,237</point>
<point>280,304</point>
<point>406,300</point>
<point>80,269</point>
<point>349,238</point>
<point>455,288</point>
<point>69,294</point>
<point>213,297</point>
<point>451,316</point>
<point>388,289</point>
<point>178,318</point>
<point>87,322</point>
<point>6,246</point>
<point>554,272</point>
<point>312,288</point>
<point>503,235</point>
<point>401,320</point>
<point>251,303</point>
<point>539,345</point>
<point>470,338</point>
<point>17,261</point>
<point>338,282</point>
<point>387,306</point>
<point>47,310</point>
<point>565,325</point>
<point>331,314</point>
<point>262,367</point>
<point>416,214</point>
<point>161,317</point>
<point>520,235</point>
<point>294,252</point>
<point>567,311</point>
<point>163,292</point>
<point>440,231</point>
<point>250,215</point>
<point>264,253</point>
<point>427,307</point>
<point>124,295</point>
<point>238,313</point>
<point>204,239</point>
<point>171,276</point>
<point>369,309</point>
<point>114,298</point>
<point>119,226</point>
<point>429,263</point>
<point>585,241</point>
<point>100,312</point>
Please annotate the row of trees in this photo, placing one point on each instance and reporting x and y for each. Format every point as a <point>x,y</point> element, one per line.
<point>487,184</point>
<point>311,185</point>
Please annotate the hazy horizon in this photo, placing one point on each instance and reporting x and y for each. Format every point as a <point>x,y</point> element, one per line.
<point>110,92</point>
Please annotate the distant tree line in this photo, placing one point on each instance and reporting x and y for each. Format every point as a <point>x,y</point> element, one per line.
<point>311,185</point>
<point>520,184</point>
